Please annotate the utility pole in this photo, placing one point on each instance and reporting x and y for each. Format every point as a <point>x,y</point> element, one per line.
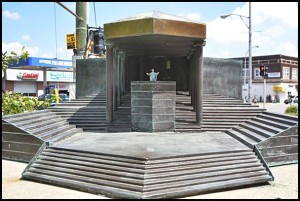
<point>81,27</point>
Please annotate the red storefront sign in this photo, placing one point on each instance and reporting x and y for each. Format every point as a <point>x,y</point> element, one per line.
<point>28,76</point>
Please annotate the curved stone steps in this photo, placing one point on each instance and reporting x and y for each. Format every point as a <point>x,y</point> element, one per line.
<point>129,177</point>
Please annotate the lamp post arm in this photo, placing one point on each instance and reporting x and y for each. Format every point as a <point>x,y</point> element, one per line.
<point>245,22</point>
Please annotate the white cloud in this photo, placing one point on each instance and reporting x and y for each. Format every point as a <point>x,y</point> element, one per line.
<point>277,12</point>
<point>274,28</point>
<point>62,52</point>
<point>17,47</point>
<point>195,16</point>
<point>10,15</point>
<point>26,37</point>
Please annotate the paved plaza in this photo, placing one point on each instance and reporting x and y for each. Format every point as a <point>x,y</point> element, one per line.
<point>275,107</point>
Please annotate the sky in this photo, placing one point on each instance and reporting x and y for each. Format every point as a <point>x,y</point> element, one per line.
<point>42,26</point>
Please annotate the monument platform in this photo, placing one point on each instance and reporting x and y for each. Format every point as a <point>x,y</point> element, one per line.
<point>153,145</point>
<point>148,165</point>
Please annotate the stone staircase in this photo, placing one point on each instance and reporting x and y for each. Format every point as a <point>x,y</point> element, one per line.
<point>122,116</point>
<point>131,177</point>
<point>88,113</point>
<point>275,135</point>
<point>23,134</point>
<point>220,113</point>
<point>43,124</point>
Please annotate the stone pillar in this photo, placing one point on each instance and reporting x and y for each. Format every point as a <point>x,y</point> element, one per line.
<point>195,81</point>
<point>123,73</point>
<point>190,77</point>
<point>199,84</point>
<point>115,79</point>
<point>118,79</point>
<point>109,84</point>
<point>142,68</point>
<point>153,105</point>
<point>192,81</point>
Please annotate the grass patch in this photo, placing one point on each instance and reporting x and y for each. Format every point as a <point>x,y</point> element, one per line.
<point>292,110</point>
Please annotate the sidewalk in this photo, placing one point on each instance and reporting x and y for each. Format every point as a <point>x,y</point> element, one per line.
<point>285,186</point>
<point>275,107</point>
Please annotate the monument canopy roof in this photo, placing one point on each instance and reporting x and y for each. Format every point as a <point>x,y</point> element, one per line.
<point>157,15</point>
<point>155,34</point>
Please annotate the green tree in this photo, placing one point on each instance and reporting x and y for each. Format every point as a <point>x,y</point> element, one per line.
<point>13,57</point>
<point>17,103</point>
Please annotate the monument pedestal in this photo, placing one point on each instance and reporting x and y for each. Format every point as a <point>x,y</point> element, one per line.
<point>153,105</point>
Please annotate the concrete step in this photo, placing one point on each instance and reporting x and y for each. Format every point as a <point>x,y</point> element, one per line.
<point>233,109</point>
<point>93,129</point>
<point>271,123</point>
<point>63,135</point>
<point>36,131</point>
<point>128,177</point>
<point>253,135</point>
<point>40,124</point>
<point>54,132</point>
<point>225,106</point>
<point>81,114</point>
<point>237,120</point>
<point>228,114</point>
<point>84,108</point>
<point>33,120</point>
<point>278,118</point>
<point>283,116</point>
<point>27,116</point>
<point>249,142</point>
<point>266,127</point>
<point>87,118</point>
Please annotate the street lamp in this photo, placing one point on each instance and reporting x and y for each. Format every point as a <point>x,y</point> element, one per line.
<point>245,69</point>
<point>249,50</point>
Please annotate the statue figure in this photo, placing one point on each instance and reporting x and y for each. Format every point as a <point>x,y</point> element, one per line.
<point>153,75</point>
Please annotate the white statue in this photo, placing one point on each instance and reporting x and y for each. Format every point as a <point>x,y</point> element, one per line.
<point>153,75</point>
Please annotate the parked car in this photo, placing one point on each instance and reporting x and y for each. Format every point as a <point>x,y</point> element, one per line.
<point>43,96</point>
<point>291,99</point>
<point>63,98</point>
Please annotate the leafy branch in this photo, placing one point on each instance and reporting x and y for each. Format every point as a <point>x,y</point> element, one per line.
<point>12,58</point>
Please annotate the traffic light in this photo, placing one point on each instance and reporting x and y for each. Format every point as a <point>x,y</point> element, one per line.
<point>266,72</point>
<point>90,42</point>
<point>99,46</point>
<point>262,70</point>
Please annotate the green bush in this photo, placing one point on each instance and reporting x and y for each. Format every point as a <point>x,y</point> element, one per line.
<point>17,103</point>
<point>293,109</point>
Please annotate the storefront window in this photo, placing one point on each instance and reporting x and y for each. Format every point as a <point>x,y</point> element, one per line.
<point>286,72</point>
<point>295,73</point>
<point>29,94</point>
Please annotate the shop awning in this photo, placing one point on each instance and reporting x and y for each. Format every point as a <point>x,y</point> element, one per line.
<point>279,88</point>
<point>35,62</point>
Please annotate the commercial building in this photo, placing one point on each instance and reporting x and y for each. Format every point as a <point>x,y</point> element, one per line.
<point>282,76</point>
<point>31,76</point>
